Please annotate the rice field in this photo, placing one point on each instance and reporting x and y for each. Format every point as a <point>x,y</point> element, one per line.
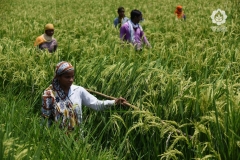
<point>186,87</point>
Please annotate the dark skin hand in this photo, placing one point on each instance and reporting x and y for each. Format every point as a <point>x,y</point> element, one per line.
<point>120,101</point>
<point>55,48</point>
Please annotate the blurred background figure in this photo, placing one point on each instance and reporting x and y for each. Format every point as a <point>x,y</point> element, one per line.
<point>121,19</point>
<point>46,40</point>
<point>179,13</point>
<point>132,31</point>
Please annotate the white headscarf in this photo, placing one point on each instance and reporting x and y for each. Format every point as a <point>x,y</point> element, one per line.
<point>132,31</point>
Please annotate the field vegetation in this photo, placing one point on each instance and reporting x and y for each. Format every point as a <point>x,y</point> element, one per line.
<point>186,87</point>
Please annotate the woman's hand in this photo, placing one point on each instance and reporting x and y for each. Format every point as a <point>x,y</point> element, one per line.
<point>120,101</point>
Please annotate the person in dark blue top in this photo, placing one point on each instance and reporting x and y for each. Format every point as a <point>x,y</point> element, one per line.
<point>121,19</point>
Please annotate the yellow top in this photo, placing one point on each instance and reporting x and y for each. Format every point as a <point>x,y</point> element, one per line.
<point>39,40</point>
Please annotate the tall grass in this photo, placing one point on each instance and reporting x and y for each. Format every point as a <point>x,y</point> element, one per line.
<point>186,86</point>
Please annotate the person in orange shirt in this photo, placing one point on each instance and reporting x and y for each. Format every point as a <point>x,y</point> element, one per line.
<point>179,13</point>
<point>46,40</point>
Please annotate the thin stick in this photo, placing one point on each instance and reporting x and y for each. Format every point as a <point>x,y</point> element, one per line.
<point>113,98</point>
<point>132,106</point>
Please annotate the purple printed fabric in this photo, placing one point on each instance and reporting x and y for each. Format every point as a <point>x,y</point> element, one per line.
<point>139,37</point>
<point>50,46</point>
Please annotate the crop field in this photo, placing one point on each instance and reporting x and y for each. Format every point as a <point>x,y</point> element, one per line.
<point>186,88</point>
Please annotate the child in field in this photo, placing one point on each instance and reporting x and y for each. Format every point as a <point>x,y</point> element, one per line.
<point>121,19</point>
<point>46,40</point>
<point>179,13</point>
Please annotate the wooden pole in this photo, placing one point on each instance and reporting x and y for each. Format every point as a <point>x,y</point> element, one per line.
<point>112,98</point>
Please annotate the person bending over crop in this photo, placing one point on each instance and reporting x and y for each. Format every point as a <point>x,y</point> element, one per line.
<point>179,13</point>
<point>132,31</point>
<point>121,19</point>
<point>46,40</point>
<point>62,101</point>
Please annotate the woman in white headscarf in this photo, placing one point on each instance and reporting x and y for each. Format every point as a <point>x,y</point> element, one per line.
<point>62,101</point>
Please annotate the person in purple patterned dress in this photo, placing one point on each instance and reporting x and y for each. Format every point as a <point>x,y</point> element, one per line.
<point>132,31</point>
<point>46,40</point>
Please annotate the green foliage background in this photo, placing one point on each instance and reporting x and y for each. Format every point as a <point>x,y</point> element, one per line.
<point>186,86</point>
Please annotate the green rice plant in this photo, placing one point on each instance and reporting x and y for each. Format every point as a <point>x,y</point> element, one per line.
<point>186,86</point>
